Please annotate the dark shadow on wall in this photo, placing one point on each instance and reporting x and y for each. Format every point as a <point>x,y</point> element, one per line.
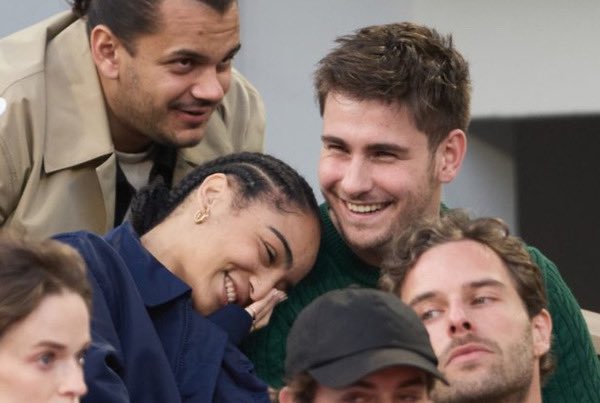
<point>557,161</point>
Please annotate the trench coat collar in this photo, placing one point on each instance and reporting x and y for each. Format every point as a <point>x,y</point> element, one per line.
<point>156,284</point>
<point>76,120</point>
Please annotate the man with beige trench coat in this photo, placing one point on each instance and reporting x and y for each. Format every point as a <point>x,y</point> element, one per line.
<point>87,116</point>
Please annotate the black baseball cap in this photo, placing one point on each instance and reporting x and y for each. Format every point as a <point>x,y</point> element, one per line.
<point>345,335</point>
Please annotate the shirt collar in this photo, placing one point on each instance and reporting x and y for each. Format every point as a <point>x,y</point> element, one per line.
<point>156,284</point>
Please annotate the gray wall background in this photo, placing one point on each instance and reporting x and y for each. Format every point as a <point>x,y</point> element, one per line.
<point>528,57</point>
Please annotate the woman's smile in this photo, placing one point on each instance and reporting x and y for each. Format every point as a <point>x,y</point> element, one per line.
<point>230,290</point>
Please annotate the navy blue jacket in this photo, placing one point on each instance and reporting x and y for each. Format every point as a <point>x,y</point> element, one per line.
<point>148,343</point>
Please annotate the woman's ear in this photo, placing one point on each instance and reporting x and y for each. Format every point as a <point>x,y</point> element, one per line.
<point>105,48</point>
<point>450,155</point>
<point>212,188</point>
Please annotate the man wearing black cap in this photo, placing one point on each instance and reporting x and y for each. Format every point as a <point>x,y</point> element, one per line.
<point>358,345</point>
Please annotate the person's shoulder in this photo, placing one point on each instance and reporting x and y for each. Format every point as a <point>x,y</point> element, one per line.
<point>106,268</point>
<point>92,247</point>
<point>98,251</point>
<point>83,241</point>
<point>240,83</point>
<point>537,257</point>
<point>331,239</point>
<point>23,53</point>
<point>559,294</point>
<point>240,119</point>
<point>242,95</point>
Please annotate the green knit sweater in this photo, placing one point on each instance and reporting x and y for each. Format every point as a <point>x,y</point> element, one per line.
<point>577,376</point>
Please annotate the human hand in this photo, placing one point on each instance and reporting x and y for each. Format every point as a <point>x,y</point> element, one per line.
<point>261,310</point>
<point>273,394</point>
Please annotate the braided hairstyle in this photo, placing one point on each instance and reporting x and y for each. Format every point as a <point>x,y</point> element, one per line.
<point>256,176</point>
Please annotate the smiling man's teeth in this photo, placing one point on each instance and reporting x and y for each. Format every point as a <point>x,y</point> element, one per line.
<point>364,208</point>
<point>230,290</point>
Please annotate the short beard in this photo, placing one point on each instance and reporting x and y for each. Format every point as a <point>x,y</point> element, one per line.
<point>143,117</point>
<point>505,381</point>
<point>416,208</point>
<point>378,248</point>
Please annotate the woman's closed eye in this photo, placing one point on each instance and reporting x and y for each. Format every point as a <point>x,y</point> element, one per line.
<point>270,253</point>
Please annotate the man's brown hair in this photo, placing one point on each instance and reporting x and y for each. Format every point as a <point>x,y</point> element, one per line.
<point>129,19</point>
<point>403,63</point>
<point>456,225</point>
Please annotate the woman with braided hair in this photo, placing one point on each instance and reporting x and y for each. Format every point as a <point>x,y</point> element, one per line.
<point>178,287</point>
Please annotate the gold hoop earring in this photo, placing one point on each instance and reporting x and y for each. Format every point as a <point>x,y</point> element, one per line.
<point>201,215</point>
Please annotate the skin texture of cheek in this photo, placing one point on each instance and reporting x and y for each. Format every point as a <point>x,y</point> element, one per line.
<point>508,372</point>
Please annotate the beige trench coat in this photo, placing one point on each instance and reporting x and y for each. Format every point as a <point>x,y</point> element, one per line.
<point>57,161</point>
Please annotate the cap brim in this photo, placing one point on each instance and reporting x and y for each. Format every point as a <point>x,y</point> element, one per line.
<point>347,370</point>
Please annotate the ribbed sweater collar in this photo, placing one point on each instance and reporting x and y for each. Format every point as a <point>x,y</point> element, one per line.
<point>333,242</point>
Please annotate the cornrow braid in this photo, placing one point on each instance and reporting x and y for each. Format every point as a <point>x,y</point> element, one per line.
<point>257,177</point>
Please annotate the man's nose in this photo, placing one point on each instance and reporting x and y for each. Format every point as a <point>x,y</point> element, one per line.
<point>210,85</point>
<point>356,178</point>
<point>459,322</point>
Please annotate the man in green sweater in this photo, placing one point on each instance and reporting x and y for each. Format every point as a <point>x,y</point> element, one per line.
<point>395,102</point>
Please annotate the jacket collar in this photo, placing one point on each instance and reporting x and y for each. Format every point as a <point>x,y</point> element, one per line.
<point>156,284</point>
<point>76,120</point>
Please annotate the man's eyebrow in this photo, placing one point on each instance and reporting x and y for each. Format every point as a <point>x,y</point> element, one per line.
<point>327,138</point>
<point>199,57</point>
<point>486,282</point>
<point>416,380</point>
<point>189,54</point>
<point>388,147</point>
<point>422,297</point>
<point>375,147</point>
<point>289,258</point>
